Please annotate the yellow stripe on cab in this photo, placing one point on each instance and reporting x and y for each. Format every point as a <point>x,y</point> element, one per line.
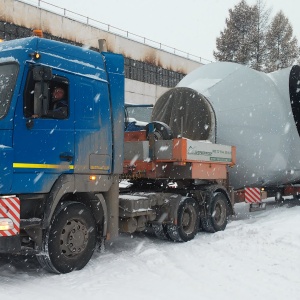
<point>41,166</point>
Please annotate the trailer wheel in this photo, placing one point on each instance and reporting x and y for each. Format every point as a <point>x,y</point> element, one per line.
<point>278,197</point>
<point>187,222</point>
<point>217,214</point>
<point>70,241</point>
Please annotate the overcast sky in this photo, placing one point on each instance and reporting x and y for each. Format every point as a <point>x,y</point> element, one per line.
<point>188,25</point>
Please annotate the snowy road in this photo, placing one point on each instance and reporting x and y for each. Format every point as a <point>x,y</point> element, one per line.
<point>256,257</point>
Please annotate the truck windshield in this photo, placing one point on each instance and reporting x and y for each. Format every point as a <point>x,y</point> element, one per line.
<point>8,76</point>
<point>139,113</point>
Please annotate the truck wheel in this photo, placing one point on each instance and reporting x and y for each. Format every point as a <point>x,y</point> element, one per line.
<point>217,214</point>
<point>187,222</point>
<point>70,241</point>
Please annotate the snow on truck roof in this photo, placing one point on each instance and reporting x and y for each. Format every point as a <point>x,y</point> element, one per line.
<point>57,54</point>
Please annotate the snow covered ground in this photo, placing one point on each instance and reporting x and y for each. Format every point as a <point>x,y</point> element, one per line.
<point>256,257</point>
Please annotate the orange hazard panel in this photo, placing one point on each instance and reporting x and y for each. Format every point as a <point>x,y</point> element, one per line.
<point>9,216</point>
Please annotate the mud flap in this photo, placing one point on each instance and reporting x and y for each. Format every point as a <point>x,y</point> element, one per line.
<point>10,244</point>
<point>257,206</point>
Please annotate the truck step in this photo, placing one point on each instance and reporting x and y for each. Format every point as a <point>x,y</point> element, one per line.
<point>28,223</point>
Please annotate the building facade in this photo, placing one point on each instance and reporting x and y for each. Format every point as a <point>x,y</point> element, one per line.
<point>149,71</point>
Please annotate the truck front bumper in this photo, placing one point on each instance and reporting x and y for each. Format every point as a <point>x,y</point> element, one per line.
<point>10,244</point>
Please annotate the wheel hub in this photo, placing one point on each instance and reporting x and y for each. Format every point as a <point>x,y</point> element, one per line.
<point>219,213</point>
<point>74,238</point>
<point>188,220</point>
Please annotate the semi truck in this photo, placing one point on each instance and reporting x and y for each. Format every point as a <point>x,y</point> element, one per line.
<point>59,177</point>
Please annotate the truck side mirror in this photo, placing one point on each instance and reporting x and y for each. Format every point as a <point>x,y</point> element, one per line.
<point>41,98</point>
<point>42,73</point>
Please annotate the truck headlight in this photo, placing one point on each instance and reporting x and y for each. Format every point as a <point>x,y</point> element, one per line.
<point>6,224</point>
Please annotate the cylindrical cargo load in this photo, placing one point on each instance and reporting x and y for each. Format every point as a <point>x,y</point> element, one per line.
<point>194,119</point>
<point>257,113</point>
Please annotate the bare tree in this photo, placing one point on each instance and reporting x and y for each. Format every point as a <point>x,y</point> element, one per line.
<point>234,42</point>
<point>261,16</point>
<point>282,46</point>
<point>250,40</point>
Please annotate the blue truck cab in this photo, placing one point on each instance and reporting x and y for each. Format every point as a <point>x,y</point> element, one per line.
<point>54,166</point>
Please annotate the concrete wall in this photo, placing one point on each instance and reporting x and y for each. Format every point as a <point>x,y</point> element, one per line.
<point>141,92</point>
<point>29,16</point>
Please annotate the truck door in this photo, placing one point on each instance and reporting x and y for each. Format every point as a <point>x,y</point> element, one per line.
<point>93,127</point>
<point>43,139</point>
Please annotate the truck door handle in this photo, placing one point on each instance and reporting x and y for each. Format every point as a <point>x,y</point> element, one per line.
<point>29,123</point>
<point>66,157</point>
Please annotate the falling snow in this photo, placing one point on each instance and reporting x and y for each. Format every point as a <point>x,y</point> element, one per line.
<point>256,257</point>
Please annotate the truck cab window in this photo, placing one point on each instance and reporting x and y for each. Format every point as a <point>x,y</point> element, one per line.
<point>58,105</point>
<point>8,76</point>
<point>46,99</point>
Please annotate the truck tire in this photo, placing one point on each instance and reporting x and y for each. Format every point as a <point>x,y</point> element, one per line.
<point>187,222</point>
<point>216,216</point>
<point>70,241</point>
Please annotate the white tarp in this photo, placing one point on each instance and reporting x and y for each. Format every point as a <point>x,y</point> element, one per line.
<point>253,113</point>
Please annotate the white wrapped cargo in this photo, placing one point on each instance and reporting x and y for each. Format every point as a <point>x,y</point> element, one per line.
<point>256,112</point>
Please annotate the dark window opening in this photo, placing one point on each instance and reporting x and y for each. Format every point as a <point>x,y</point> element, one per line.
<point>53,96</point>
<point>151,74</point>
<point>8,76</point>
